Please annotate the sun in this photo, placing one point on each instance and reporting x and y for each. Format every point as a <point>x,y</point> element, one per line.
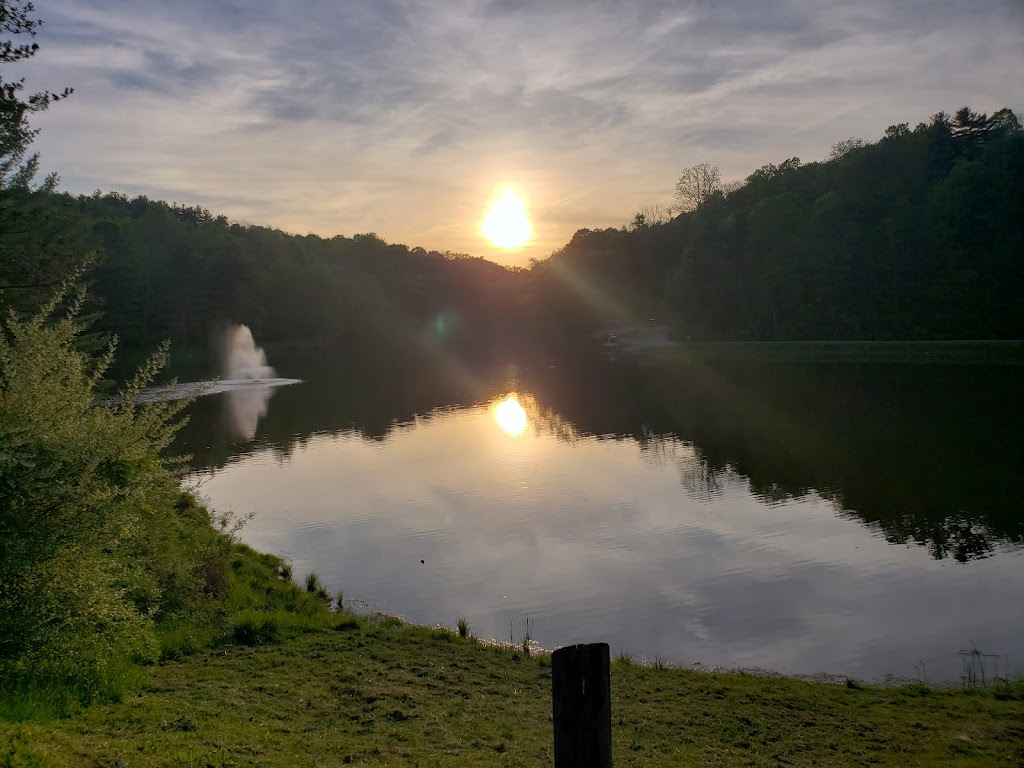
<point>507,224</point>
<point>511,416</point>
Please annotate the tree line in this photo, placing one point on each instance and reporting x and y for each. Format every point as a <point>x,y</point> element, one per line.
<point>179,272</point>
<point>918,235</point>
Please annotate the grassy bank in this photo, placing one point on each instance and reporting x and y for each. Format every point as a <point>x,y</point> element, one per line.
<point>285,682</point>
<point>945,352</point>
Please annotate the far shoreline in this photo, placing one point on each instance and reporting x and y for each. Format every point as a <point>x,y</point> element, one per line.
<point>658,344</point>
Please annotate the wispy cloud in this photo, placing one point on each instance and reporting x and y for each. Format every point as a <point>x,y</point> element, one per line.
<point>397,116</point>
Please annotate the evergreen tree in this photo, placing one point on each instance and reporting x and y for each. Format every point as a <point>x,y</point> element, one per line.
<point>37,239</point>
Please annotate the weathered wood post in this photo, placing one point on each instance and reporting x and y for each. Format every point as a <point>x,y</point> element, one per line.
<point>581,706</point>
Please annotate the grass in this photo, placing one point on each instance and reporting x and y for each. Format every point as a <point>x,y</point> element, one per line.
<point>291,683</point>
<point>380,693</point>
<point>980,670</point>
<point>286,571</point>
<point>259,607</point>
<point>463,627</point>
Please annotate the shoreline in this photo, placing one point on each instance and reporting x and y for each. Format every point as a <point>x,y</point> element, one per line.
<point>364,609</point>
<point>656,344</point>
<point>297,684</point>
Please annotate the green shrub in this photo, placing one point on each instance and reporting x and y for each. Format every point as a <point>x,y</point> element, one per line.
<point>97,542</point>
<point>104,563</point>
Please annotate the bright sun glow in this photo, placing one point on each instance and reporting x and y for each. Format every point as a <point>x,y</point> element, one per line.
<point>510,416</point>
<point>507,224</point>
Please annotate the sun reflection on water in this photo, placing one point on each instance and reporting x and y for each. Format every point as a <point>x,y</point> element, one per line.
<point>510,415</point>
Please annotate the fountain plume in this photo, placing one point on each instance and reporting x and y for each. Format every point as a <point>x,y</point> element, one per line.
<point>241,359</point>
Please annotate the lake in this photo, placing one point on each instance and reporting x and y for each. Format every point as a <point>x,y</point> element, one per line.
<point>861,520</point>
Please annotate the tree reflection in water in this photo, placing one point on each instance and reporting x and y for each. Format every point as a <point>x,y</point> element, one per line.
<point>924,454</point>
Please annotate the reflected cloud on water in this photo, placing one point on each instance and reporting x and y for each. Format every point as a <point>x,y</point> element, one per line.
<point>744,521</point>
<point>594,541</point>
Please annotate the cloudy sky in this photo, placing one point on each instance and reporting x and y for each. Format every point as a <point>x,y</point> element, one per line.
<point>407,117</point>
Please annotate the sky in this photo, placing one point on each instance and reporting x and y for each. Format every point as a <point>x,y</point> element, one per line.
<point>408,118</point>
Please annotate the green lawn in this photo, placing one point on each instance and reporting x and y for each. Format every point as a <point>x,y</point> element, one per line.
<point>272,678</point>
<point>377,692</point>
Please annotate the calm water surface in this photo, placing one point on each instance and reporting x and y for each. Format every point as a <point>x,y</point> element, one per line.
<point>856,520</point>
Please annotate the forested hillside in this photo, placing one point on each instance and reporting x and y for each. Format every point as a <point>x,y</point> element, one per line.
<point>919,235</point>
<point>179,272</point>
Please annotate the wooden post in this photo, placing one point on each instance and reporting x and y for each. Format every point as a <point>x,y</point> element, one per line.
<point>581,706</point>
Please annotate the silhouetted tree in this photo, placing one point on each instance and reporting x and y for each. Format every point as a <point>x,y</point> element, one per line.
<point>841,148</point>
<point>16,20</point>
<point>38,247</point>
<point>695,185</point>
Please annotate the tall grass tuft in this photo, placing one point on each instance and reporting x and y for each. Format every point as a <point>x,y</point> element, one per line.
<point>313,584</point>
<point>979,669</point>
<point>255,628</point>
<point>286,572</point>
<point>463,626</point>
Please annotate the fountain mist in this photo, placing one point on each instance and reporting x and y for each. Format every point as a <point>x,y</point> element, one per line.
<point>241,358</point>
